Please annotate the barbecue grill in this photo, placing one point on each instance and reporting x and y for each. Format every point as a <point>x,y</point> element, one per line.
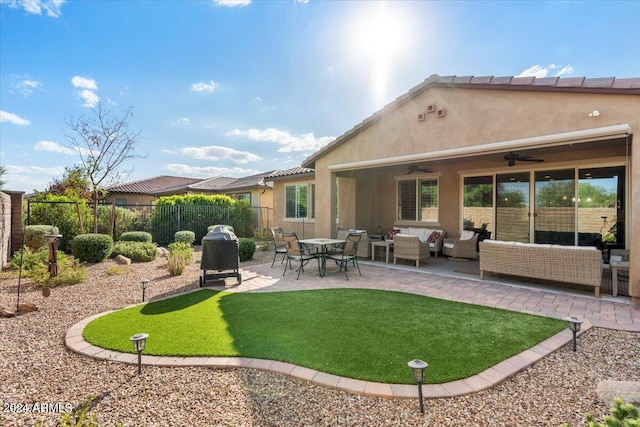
<point>220,254</point>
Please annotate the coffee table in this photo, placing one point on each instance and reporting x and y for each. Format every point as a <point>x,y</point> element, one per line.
<point>615,266</point>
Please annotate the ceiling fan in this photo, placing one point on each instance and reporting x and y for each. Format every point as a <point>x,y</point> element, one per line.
<point>512,158</point>
<point>415,168</point>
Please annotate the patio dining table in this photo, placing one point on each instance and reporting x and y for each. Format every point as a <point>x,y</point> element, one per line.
<point>322,244</point>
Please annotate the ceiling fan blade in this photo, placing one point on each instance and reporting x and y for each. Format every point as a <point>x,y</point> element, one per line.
<point>530,159</point>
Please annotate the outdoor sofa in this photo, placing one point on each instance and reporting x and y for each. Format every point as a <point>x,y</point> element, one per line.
<point>571,264</point>
<point>433,237</point>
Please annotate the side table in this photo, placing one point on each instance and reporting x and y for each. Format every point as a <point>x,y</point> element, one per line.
<point>615,266</point>
<point>381,244</point>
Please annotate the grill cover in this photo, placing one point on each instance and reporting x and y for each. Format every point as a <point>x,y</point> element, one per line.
<point>219,250</point>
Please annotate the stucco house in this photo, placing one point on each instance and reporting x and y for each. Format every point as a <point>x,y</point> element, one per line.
<point>539,160</point>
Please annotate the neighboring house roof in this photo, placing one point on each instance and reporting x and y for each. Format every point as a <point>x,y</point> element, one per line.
<point>217,183</point>
<point>248,182</point>
<point>153,185</point>
<point>297,171</point>
<point>629,86</point>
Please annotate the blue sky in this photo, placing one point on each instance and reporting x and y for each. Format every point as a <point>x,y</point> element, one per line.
<point>233,88</point>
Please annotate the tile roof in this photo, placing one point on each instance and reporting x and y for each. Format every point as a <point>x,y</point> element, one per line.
<point>215,183</point>
<point>290,172</point>
<point>629,86</point>
<point>152,185</point>
<point>252,181</point>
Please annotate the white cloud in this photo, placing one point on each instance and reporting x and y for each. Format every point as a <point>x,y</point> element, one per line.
<point>182,121</point>
<point>57,148</point>
<point>28,178</point>
<point>232,3</point>
<point>90,98</point>
<point>214,153</point>
<point>26,86</point>
<point>12,118</point>
<point>286,141</point>
<point>205,87</point>
<point>84,83</point>
<point>207,171</point>
<point>544,71</point>
<point>36,7</point>
<point>88,86</point>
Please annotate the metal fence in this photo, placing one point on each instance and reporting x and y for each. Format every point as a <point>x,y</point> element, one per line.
<point>161,221</point>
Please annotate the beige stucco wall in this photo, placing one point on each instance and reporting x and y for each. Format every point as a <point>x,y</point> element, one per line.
<point>474,117</point>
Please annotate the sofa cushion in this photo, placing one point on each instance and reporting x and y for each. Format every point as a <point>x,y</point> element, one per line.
<point>433,236</point>
<point>466,234</point>
<point>392,233</point>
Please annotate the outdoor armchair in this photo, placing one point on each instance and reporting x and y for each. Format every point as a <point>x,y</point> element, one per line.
<point>409,247</point>
<point>298,253</point>
<point>348,252</point>
<point>456,247</point>
<point>279,245</point>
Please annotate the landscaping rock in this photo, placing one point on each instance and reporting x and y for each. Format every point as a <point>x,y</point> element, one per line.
<point>7,313</point>
<point>122,260</point>
<point>628,391</point>
<point>162,251</point>
<point>26,306</point>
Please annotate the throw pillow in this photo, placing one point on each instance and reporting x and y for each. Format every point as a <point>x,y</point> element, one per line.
<point>433,237</point>
<point>466,234</point>
<point>392,233</point>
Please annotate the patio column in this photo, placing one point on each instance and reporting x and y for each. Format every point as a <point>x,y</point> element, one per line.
<point>634,223</point>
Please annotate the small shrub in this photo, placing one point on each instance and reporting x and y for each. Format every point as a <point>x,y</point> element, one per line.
<point>622,415</point>
<point>116,270</point>
<point>92,247</point>
<point>262,234</point>
<point>34,235</point>
<point>247,247</point>
<point>176,263</point>
<point>35,264</point>
<point>136,236</point>
<point>185,236</point>
<point>182,248</point>
<point>228,227</point>
<point>136,251</point>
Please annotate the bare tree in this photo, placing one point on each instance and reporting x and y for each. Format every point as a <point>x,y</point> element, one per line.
<point>104,142</point>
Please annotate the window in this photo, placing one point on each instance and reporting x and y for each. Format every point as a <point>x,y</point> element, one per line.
<point>242,196</point>
<point>121,202</point>
<point>297,203</point>
<point>418,200</point>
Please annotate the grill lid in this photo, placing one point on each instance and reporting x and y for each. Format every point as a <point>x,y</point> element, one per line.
<point>220,233</point>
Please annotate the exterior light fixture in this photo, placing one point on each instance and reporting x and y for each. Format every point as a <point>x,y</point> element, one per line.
<point>417,367</point>
<point>574,326</point>
<point>143,285</point>
<point>139,342</point>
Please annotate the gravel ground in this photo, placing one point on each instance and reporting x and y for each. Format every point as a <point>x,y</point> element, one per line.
<point>36,368</point>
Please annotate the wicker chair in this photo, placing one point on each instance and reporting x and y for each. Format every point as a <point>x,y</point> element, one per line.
<point>410,247</point>
<point>456,248</point>
<point>279,245</point>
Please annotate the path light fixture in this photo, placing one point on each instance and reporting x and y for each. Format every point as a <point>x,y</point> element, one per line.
<point>139,341</point>
<point>574,325</point>
<point>143,284</point>
<point>418,366</point>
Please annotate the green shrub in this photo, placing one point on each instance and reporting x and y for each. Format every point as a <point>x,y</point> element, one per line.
<point>262,234</point>
<point>135,236</point>
<point>247,248</point>
<point>34,235</point>
<point>176,263</point>
<point>64,212</point>
<point>125,220</point>
<point>185,236</point>
<point>91,247</point>
<point>228,227</point>
<point>136,251</point>
<point>182,248</point>
<point>622,415</point>
<point>116,270</point>
<point>35,264</point>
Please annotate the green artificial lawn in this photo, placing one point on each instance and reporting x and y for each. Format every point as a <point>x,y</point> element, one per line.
<point>355,333</point>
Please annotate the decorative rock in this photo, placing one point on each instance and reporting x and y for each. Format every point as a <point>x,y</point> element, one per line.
<point>26,306</point>
<point>628,391</point>
<point>6,313</point>
<point>162,251</point>
<point>122,260</point>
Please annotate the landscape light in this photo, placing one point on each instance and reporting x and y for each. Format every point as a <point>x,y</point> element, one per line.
<point>417,367</point>
<point>574,325</point>
<point>139,341</point>
<point>143,285</point>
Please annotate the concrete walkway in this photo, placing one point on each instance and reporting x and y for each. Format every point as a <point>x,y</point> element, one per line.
<point>607,312</point>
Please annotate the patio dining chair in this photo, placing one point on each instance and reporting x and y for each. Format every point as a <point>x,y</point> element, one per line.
<point>348,253</point>
<point>299,253</point>
<point>280,247</point>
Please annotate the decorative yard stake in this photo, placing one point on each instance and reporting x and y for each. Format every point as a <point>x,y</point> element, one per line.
<point>139,341</point>
<point>574,325</point>
<point>418,366</point>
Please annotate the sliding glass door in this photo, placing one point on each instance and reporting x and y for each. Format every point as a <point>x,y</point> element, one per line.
<point>555,213</point>
<point>512,207</point>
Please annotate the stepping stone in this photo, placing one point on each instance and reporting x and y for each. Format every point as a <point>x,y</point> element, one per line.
<point>628,391</point>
